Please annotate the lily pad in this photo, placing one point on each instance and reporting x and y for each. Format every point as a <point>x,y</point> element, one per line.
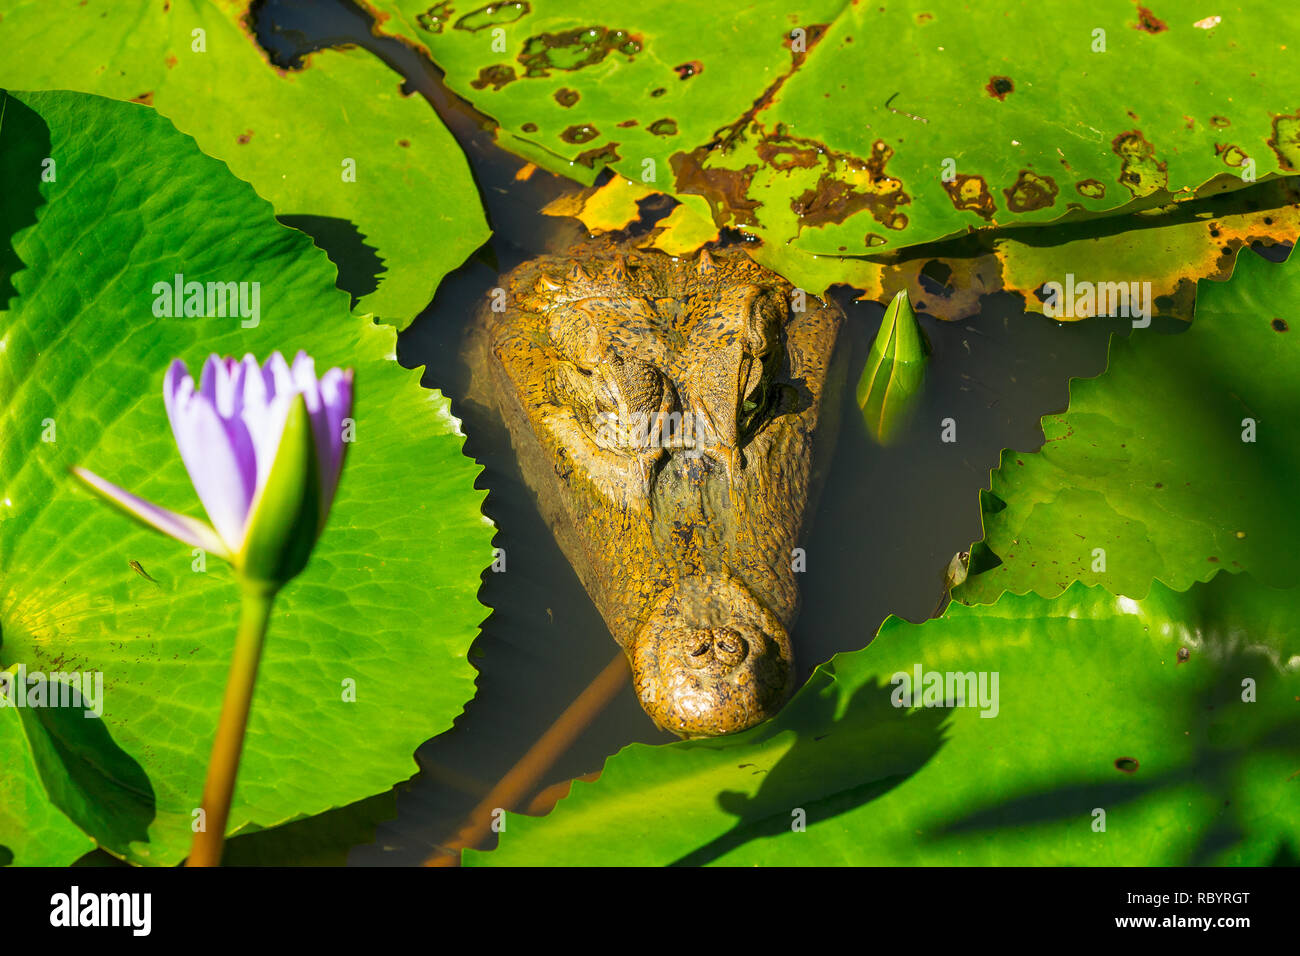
<point>1179,461</point>
<point>33,831</point>
<point>848,128</point>
<point>1122,734</point>
<point>371,174</point>
<point>1193,241</point>
<point>682,232</point>
<point>385,611</point>
<point>607,208</point>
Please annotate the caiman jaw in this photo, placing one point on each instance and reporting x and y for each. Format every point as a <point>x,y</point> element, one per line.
<point>710,660</point>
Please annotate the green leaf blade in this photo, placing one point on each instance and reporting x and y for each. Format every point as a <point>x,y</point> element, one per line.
<point>387,605</point>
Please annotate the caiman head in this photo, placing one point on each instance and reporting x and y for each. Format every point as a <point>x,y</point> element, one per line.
<point>649,368</point>
<point>676,413</point>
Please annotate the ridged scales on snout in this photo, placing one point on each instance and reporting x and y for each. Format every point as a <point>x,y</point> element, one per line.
<point>668,413</point>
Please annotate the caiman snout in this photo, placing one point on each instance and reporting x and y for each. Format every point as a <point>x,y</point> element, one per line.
<point>710,659</point>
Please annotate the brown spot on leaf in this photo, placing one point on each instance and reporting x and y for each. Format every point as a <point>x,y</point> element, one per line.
<point>659,91</point>
<point>494,14</point>
<point>1220,121</point>
<point>663,127</point>
<point>786,155</point>
<point>1092,188</point>
<point>725,190</point>
<point>145,98</point>
<point>686,70</point>
<point>496,76</point>
<point>582,133</point>
<point>599,156</point>
<point>1126,764</point>
<point>1139,172</point>
<point>435,17</point>
<point>1031,191</point>
<point>851,184</point>
<point>404,143</point>
<point>999,86</point>
<point>170,62</point>
<point>1148,22</point>
<point>566,97</point>
<point>1231,154</point>
<point>1286,140</point>
<point>529,128</point>
<point>1184,655</point>
<point>812,36</point>
<point>574,49</point>
<point>971,194</point>
<point>626,124</point>
<point>1279,325</point>
<point>243,138</point>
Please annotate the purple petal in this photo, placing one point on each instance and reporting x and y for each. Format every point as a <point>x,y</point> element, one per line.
<point>180,527</point>
<point>256,393</point>
<point>176,377</point>
<point>307,385</point>
<point>336,397</point>
<point>304,380</point>
<point>219,459</point>
<point>229,396</point>
<point>208,377</point>
<point>279,380</point>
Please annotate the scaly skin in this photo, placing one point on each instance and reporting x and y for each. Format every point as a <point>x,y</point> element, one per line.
<point>665,413</point>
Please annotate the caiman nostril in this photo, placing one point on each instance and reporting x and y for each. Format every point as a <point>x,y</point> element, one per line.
<point>701,648</point>
<point>729,645</point>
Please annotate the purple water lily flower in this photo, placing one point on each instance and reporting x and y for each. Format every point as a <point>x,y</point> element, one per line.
<point>229,431</point>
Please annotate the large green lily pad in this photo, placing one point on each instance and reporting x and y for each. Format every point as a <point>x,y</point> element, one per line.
<point>32,829</point>
<point>1132,708</point>
<point>1156,462</point>
<point>848,128</point>
<point>408,216</point>
<point>387,606</point>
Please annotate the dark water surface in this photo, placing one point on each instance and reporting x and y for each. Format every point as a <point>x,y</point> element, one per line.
<point>888,523</point>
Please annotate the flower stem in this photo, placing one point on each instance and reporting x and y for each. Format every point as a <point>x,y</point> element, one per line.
<point>254,613</point>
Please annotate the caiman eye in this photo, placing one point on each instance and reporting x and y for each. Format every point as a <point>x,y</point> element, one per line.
<point>762,322</point>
